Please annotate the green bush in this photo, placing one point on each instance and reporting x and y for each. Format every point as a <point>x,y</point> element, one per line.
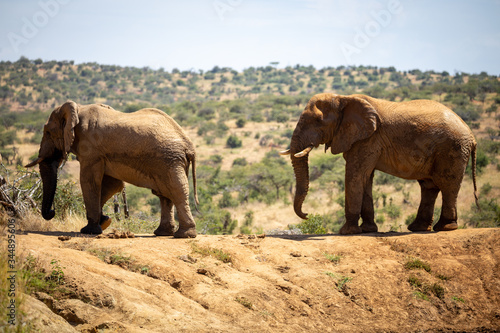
<point>206,113</point>
<point>482,160</point>
<point>287,133</point>
<point>68,200</point>
<point>241,161</point>
<point>209,76</point>
<point>486,188</point>
<point>233,142</point>
<point>487,217</point>
<point>492,148</point>
<point>265,181</point>
<point>313,225</point>
<point>240,123</point>
<point>7,137</point>
<point>382,178</point>
<point>334,165</point>
<point>137,196</point>
<point>246,228</point>
<point>257,117</point>
<point>215,159</point>
<point>468,113</point>
<point>409,220</point>
<point>227,200</point>
<point>215,222</point>
<point>221,129</point>
<point>206,127</point>
<point>393,211</point>
<point>154,205</point>
<point>416,263</point>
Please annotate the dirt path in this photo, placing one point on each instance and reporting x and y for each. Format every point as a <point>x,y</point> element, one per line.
<point>273,284</point>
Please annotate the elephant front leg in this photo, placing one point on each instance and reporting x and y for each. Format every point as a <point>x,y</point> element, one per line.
<point>353,203</point>
<point>167,222</point>
<point>367,210</point>
<point>359,171</point>
<point>91,182</point>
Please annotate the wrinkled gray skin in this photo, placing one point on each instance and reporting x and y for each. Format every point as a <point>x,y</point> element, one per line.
<point>421,139</point>
<point>146,148</point>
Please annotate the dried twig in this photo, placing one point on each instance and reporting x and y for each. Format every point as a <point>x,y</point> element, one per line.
<point>17,197</point>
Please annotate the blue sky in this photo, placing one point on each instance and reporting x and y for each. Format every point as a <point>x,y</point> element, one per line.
<point>451,35</point>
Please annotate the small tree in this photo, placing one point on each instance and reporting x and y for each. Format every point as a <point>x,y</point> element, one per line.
<point>241,123</point>
<point>233,142</point>
<point>246,228</point>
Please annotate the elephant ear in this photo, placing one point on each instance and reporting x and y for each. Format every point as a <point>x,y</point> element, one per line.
<point>69,119</point>
<point>358,120</point>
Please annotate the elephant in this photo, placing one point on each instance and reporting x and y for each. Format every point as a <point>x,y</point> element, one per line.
<point>146,148</point>
<point>419,139</point>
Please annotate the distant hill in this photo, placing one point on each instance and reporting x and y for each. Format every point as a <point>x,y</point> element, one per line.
<point>34,84</point>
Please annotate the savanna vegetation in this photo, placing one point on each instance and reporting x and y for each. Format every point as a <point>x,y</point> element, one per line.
<point>238,121</point>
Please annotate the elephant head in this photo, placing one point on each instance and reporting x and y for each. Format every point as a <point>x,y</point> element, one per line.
<point>336,121</point>
<point>58,136</point>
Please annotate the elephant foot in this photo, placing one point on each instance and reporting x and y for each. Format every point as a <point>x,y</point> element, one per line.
<point>105,222</point>
<point>164,232</point>
<point>350,229</point>
<point>420,226</point>
<point>185,233</point>
<point>91,229</point>
<point>367,227</point>
<point>445,225</point>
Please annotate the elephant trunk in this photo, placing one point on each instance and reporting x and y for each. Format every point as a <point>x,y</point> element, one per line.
<point>301,171</point>
<point>48,172</point>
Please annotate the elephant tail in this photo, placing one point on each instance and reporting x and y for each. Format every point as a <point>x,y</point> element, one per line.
<point>192,159</point>
<point>473,166</point>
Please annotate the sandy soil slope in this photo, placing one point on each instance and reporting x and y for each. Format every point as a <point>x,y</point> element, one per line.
<point>273,284</point>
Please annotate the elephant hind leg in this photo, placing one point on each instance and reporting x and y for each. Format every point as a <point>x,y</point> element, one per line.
<point>110,186</point>
<point>429,193</point>
<point>187,226</point>
<point>448,219</point>
<point>167,221</point>
<point>449,181</point>
<point>177,190</point>
<point>445,224</point>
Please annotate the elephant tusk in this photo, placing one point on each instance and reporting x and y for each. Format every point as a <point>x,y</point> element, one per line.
<point>35,162</point>
<point>304,152</point>
<point>285,152</point>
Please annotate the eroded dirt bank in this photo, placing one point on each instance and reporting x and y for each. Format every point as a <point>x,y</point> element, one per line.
<point>325,283</point>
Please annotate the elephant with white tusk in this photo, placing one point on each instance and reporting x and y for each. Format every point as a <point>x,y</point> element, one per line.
<point>420,139</point>
<point>146,148</point>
